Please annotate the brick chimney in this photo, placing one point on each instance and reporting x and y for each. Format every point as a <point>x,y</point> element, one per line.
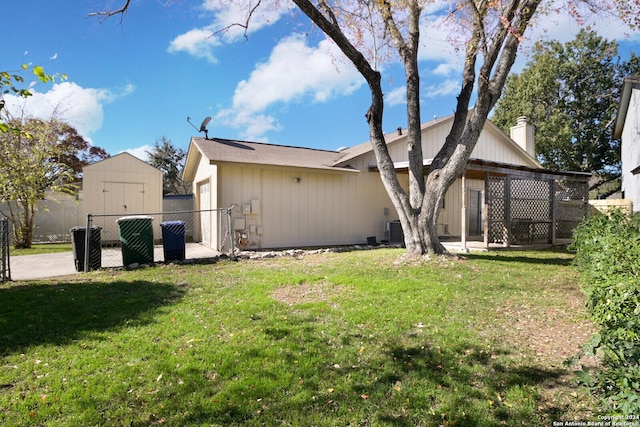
<point>522,134</point>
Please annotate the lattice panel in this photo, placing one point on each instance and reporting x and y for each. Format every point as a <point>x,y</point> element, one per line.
<point>496,189</point>
<point>530,211</point>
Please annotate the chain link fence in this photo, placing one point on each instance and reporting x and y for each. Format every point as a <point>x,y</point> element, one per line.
<point>118,240</point>
<point>5,271</point>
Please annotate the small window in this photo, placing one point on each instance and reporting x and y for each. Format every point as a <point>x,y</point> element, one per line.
<point>442,203</point>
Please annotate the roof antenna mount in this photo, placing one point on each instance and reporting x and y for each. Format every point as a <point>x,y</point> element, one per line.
<point>203,126</point>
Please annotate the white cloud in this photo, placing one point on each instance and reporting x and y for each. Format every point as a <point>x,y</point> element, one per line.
<point>80,107</point>
<point>559,25</point>
<point>445,88</point>
<point>228,24</point>
<point>445,69</point>
<point>397,96</point>
<point>436,43</point>
<point>139,152</point>
<point>294,72</point>
<point>198,43</point>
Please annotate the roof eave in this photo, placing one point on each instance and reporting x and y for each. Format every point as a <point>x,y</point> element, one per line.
<point>630,83</point>
<point>191,162</point>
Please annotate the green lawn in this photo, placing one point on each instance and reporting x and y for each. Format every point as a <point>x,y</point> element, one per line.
<point>335,339</point>
<point>44,248</point>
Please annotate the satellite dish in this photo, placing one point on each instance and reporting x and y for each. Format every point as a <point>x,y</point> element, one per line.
<point>205,122</point>
<point>203,126</point>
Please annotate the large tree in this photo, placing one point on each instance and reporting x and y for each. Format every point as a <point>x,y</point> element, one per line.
<point>571,93</point>
<point>35,156</point>
<point>38,156</point>
<point>491,30</point>
<point>170,160</point>
<point>74,151</point>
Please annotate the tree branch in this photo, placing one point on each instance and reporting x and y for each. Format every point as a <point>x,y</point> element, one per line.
<point>106,14</point>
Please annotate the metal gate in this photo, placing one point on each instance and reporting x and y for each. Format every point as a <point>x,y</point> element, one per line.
<point>5,269</point>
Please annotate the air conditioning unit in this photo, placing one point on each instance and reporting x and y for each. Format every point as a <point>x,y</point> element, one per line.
<point>395,232</point>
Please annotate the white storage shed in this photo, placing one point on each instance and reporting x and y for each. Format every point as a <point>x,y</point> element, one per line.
<point>121,185</point>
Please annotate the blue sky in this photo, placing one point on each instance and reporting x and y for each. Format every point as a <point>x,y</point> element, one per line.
<point>134,80</point>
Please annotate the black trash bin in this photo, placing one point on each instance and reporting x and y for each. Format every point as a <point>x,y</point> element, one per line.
<point>78,239</point>
<point>136,238</point>
<point>173,240</point>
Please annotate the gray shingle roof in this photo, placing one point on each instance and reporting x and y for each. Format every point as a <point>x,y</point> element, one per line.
<point>226,150</point>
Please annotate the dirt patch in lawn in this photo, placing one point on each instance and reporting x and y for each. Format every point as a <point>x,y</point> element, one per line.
<point>550,336</point>
<point>305,293</point>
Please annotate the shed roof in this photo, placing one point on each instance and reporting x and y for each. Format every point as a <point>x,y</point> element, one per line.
<point>123,157</point>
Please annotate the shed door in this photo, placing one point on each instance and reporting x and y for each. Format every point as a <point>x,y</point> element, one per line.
<point>123,198</point>
<point>205,215</point>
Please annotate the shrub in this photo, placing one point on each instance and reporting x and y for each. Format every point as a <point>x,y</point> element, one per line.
<point>608,256</point>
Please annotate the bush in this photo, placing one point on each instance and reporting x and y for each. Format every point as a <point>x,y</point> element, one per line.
<point>608,255</point>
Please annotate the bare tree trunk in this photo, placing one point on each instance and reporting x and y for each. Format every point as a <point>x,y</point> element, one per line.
<point>23,224</point>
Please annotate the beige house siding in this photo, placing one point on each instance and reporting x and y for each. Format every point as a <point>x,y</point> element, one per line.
<point>492,145</point>
<point>296,197</point>
<point>302,207</point>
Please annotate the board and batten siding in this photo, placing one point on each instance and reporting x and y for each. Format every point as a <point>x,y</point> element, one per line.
<point>301,206</point>
<point>491,145</point>
<point>631,150</point>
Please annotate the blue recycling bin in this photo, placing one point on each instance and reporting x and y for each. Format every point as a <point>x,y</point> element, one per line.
<point>173,240</point>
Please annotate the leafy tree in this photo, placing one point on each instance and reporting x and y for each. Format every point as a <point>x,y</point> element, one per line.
<point>36,156</point>
<point>170,160</point>
<point>30,165</point>
<point>74,151</point>
<point>368,30</point>
<point>571,94</point>
<point>9,82</point>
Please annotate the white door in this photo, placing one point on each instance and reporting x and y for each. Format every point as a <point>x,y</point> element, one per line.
<point>122,198</point>
<point>205,215</point>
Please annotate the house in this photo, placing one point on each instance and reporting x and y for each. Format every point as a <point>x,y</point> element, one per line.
<point>627,127</point>
<point>118,186</point>
<point>296,197</point>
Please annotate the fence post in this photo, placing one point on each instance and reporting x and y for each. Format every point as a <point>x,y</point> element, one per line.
<point>87,240</point>
<point>5,272</point>
<point>230,231</point>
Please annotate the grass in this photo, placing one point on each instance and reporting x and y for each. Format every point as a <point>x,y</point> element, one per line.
<point>324,340</point>
<point>45,248</point>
